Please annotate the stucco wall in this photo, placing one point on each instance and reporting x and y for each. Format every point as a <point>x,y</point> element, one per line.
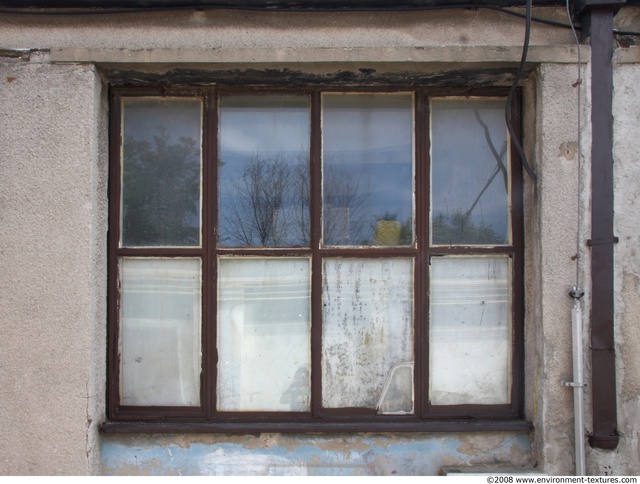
<point>551,224</point>
<point>53,179</point>
<point>52,261</point>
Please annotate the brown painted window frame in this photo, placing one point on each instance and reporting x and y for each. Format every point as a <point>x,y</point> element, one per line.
<point>205,418</point>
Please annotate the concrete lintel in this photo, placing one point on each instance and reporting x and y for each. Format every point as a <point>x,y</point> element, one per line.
<point>627,55</point>
<point>431,54</point>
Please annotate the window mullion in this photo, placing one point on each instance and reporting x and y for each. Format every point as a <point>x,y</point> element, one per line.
<point>209,243</point>
<point>113,400</point>
<point>421,282</point>
<point>517,242</point>
<point>316,262</point>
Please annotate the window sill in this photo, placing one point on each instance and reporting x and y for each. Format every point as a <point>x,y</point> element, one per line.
<point>314,427</point>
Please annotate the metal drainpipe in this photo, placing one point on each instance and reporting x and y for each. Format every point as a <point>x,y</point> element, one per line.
<point>578,380</point>
<point>598,26</point>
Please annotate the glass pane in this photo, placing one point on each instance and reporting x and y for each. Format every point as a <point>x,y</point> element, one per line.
<point>264,326</point>
<point>264,171</point>
<point>160,332</point>
<point>367,334</point>
<point>367,174</point>
<point>470,333</point>
<point>469,172</point>
<point>161,172</point>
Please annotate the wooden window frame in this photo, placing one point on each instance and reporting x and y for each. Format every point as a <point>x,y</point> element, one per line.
<point>205,418</point>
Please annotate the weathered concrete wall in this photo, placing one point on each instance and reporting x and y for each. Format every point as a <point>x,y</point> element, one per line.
<point>53,232</point>
<point>551,224</point>
<point>52,266</point>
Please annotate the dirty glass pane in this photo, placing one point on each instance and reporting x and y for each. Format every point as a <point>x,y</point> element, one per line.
<point>470,331</point>
<point>161,172</point>
<point>367,333</point>
<point>367,169</point>
<point>264,334</point>
<point>469,172</point>
<point>264,171</point>
<point>160,331</point>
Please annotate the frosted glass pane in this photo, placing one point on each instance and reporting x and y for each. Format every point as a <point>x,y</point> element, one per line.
<point>264,171</point>
<point>161,172</point>
<point>469,172</point>
<point>367,169</point>
<point>264,325</point>
<point>470,331</point>
<point>160,332</point>
<point>367,332</point>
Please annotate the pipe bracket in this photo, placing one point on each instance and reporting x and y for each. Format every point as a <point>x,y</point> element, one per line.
<point>576,292</point>
<point>603,241</point>
<point>573,384</point>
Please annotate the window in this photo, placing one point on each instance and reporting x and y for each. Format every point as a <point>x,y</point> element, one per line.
<point>314,257</point>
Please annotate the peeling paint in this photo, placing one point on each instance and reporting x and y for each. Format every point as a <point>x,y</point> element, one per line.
<point>362,76</point>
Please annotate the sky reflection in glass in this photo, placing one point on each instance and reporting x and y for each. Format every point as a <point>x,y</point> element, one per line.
<point>367,169</point>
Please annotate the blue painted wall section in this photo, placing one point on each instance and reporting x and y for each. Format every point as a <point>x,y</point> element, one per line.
<point>317,455</point>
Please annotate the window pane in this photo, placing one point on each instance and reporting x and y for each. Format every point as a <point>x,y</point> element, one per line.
<point>367,158</point>
<point>264,171</point>
<point>161,172</point>
<point>160,332</point>
<point>469,172</point>
<point>264,334</point>
<point>367,333</point>
<point>470,332</point>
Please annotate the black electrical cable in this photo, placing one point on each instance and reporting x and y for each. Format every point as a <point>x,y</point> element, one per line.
<point>539,20</point>
<point>512,92</point>
<point>621,32</point>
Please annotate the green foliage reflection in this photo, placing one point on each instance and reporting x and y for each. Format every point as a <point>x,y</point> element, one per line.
<point>161,191</point>
<point>458,229</point>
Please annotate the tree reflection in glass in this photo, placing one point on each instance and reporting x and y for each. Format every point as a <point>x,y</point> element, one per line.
<point>367,163</point>
<point>161,172</point>
<point>264,171</point>
<point>470,172</point>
